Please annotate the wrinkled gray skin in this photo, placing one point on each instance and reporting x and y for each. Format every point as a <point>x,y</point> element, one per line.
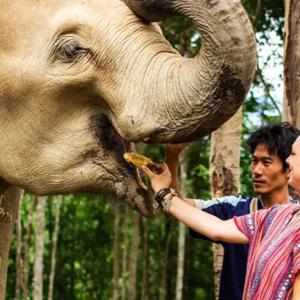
<point>74,73</point>
<point>79,79</point>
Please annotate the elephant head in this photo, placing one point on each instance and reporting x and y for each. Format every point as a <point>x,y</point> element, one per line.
<point>80,80</point>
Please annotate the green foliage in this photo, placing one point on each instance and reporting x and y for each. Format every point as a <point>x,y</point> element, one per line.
<point>182,35</point>
<point>85,258</point>
<point>85,247</point>
<point>271,16</point>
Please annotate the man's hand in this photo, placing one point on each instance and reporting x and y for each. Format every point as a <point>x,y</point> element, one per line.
<point>161,180</point>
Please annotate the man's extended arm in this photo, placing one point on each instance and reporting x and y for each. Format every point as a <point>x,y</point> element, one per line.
<point>202,222</point>
<point>172,156</point>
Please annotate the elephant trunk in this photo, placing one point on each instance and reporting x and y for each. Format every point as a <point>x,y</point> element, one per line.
<point>190,98</point>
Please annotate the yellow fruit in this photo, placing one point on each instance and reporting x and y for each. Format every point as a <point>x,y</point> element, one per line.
<point>137,160</point>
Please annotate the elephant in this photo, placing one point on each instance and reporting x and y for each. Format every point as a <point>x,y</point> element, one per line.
<point>82,80</point>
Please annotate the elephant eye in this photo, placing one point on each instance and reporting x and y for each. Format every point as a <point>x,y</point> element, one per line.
<point>68,50</point>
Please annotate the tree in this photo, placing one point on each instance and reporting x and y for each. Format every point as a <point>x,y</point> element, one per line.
<point>39,249</point>
<point>291,110</point>
<point>125,229</point>
<point>134,252</point>
<point>225,173</point>
<point>145,266</point>
<point>10,203</point>
<point>28,235</point>
<point>116,268</point>
<point>19,252</point>
<point>182,231</point>
<point>54,248</point>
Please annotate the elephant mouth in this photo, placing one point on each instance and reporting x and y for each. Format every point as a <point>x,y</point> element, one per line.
<point>129,184</point>
<point>113,143</point>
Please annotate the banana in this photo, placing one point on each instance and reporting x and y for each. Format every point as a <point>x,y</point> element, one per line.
<point>137,160</point>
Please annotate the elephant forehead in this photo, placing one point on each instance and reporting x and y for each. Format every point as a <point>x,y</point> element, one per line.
<point>22,22</point>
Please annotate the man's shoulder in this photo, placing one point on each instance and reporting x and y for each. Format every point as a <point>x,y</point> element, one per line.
<point>232,200</point>
<point>229,206</point>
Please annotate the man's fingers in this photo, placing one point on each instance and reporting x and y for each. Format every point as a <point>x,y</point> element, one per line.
<point>156,168</point>
<point>165,167</point>
<point>147,171</point>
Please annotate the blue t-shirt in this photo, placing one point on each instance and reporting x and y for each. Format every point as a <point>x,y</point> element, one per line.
<point>235,255</point>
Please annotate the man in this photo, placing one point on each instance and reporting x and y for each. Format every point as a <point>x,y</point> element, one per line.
<point>270,146</point>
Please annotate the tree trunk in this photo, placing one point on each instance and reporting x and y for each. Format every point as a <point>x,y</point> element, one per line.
<point>225,173</point>
<point>19,252</point>
<point>124,255</point>
<point>145,274</point>
<point>10,202</point>
<point>116,251</point>
<point>54,247</point>
<point>291,112</point>
<point>39,249</point>
<point>182,229</point>
<point>134,256</point>
<point>25,271</point>
<point>165,267</point>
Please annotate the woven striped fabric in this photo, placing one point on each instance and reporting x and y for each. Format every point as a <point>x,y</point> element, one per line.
<point>274,253</point>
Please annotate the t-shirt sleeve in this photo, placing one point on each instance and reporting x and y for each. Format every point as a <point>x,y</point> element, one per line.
<point>223,207</point>
<point>249,224</point>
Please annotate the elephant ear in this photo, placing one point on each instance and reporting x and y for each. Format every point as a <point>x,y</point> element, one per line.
<point>151,10</point>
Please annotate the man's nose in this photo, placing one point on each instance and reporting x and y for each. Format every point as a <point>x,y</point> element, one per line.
<point>257,169</point>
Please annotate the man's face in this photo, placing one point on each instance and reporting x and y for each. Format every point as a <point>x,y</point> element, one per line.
<point>294,163</point>
<point>267,171</point>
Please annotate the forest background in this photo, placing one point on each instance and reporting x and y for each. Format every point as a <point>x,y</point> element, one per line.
<point>92,247</point>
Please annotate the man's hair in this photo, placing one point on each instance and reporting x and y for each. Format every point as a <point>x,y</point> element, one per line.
<point>277,137</point>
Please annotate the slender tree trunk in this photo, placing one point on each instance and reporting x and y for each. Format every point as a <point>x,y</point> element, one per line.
<point>73,212</point>
<point>134,256</point>
<point>25,271</point>
<point>124,255</point>
<point>180,263</point>
<point>39,249</point>
<point>145,274</point>
<point>291,111</point>
<point>182,229</point>
<point>54,247</point>
<point>19,252</point>
<point>286,105</point>
<point>165,267</point>
<point>116,251</point>
<point>225,173</point>
<point>10,202</point>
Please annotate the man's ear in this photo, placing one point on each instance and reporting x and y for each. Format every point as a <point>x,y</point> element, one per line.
<point>288,173</point>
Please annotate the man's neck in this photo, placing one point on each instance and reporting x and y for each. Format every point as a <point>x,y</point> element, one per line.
<point>277,197</point>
